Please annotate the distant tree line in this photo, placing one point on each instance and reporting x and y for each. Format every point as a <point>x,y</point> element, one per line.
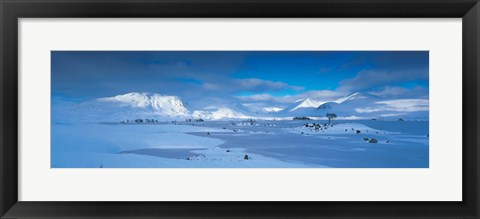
<point>301,118</point>
<point>194,120</point>
<point>138,121</point>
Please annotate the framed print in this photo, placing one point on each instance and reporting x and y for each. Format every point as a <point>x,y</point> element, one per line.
<point>215,119</point>
<point>117,109</point>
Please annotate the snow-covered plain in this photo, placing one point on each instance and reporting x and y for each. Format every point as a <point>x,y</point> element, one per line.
<point>241,144</point>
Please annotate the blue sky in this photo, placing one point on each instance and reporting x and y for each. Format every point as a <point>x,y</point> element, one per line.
<point>210,78</point>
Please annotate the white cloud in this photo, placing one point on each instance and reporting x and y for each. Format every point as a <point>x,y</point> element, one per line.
<point>210,86</point>
<point>259,84</point>
<point>257,97</point>
<point>315,95</point>
<point>272,109</point>
<point>401,105</point>
<point>401,92</point>
<point>323,95</point>
<point>367,79</point>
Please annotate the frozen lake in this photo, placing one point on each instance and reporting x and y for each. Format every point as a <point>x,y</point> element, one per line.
<point>237,144</point>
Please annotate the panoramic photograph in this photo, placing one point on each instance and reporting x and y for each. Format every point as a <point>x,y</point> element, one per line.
<point>239,109</point>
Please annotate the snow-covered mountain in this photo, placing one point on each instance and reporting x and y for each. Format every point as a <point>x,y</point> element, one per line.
<point>300,104</point>
<point>158,104</point>
<point>132,106</point>
<point>358,105</point>
<point>123,107</point>
<point>346,106</point>
<point>302,107</point>
<point>365,105</point>
<point>255,108</point>
<point>222,113</point>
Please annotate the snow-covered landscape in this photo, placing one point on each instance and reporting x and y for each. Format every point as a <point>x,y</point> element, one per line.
<point>216,123</point>
<point>151,130</point>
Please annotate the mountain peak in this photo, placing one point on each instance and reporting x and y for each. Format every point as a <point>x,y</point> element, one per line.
<point>301,103</point>
<point>356,96</point>
<point>303,100</point>
<point>219,114</point>
<point>170,105</point>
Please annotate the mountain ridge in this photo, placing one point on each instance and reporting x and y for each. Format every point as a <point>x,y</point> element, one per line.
<point>136,105</point>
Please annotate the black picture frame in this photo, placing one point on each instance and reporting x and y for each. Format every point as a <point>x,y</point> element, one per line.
<point>12,10</point>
